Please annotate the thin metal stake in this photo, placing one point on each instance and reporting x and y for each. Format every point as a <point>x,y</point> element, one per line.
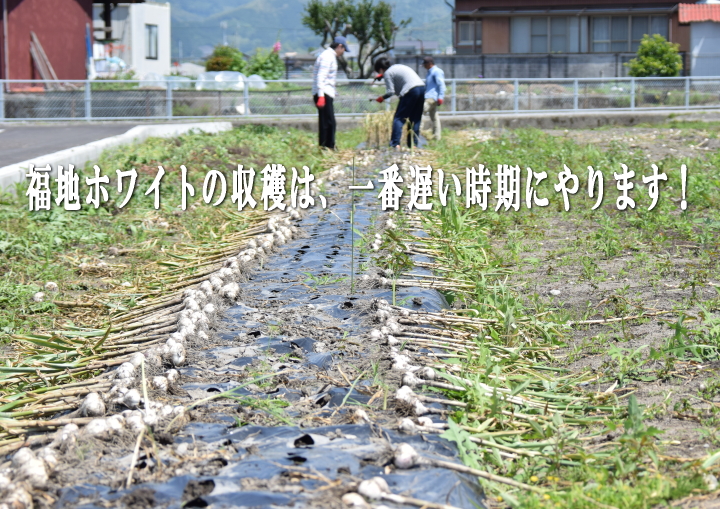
<point>352,231</point>
<point>88,101</point>
<point>168,100</point>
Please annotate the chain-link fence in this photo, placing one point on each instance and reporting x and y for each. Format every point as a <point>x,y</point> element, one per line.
<point>528,66</point>
<point>110,100</point>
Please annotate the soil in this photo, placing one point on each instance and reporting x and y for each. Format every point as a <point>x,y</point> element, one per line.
<point>633,287</point>
<point>654,143</point>
<point>624,287</point>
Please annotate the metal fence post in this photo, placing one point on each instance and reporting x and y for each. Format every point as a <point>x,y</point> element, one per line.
<point>453,97</point>
<point>632,93</point>
<point>88,101</point>
<point>687,92</point>
<point>575,94</point>
<point>169,101</point>
<point>246,99</point>
<point>516,98</point>
<point>2,100</point>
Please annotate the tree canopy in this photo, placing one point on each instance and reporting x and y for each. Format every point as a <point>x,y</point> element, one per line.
<point>370,22</point>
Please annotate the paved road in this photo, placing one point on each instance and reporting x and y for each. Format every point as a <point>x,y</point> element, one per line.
<point>19,143</point>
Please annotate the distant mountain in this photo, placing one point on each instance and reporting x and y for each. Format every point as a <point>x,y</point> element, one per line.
<point>248,24</point>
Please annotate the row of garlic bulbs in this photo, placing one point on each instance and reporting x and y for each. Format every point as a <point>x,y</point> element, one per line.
<point>31,470</point>
<point>387,317</point>
<point>404,456</point>
<point>199,307</point>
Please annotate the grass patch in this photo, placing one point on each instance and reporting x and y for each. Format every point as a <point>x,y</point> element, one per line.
<point>108,251</point>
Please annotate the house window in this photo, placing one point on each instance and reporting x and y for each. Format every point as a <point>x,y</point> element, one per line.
<point>538,35</point>
<point>659,25</point>
<point>642,25</point>
<point>639,28</point>
<point>558,35</point>
<point>601,34</point>
<point>547,34</point>
<point>466,34</point>
<point>619,34</point>
<point>520,34</point>
<point>624,33</point>
<point>151,42</point>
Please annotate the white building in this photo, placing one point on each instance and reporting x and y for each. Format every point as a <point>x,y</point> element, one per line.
<point>140,39</point>
<point>704,20</point>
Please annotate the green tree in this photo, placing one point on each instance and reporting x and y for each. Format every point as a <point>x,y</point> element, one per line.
<point>226,58</point>
<point>269,65</point>
<point>328,19</point>
<point>371,23</point>
<point>656,57</point>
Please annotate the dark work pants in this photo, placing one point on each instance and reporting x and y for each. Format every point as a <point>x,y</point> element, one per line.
<point>410,108</point>
<point>326,118</point>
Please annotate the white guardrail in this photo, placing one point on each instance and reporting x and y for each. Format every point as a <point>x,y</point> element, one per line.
<point>182,98</point>
<point>78,156</point>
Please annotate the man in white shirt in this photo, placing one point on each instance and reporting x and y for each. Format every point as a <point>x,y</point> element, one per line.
<point>324,78</point>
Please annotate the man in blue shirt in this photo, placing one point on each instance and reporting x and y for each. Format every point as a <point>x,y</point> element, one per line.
<point>434,93</point>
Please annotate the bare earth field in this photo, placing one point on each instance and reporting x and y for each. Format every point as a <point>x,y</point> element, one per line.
<point>349,357</point>
<point>585,268</point>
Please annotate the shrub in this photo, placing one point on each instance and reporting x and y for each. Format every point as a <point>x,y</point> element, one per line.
<point>218,64</point>
<point>269,65</point>
<point>656,57</point>
<point>226,58</point>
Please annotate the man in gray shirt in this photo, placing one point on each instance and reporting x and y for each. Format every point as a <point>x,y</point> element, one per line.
<point>402,81</point>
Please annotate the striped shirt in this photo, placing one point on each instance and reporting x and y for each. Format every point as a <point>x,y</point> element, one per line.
<point>399,80</point>
<point>435,83</point>
<point>325,74</point>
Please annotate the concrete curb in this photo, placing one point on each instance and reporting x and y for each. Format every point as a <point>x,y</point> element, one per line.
<point>78,156</point>
<point>540,120</point>
<point>575,119</point>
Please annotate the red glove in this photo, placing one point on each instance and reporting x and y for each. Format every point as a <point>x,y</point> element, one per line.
<point>380,99</point>
<point>321,102</point>
<point>439,101</point>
